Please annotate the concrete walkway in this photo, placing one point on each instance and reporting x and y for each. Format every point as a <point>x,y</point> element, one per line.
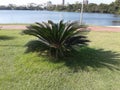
<point>11,27</point>
<point>92,28</point>
<point>105,28</point>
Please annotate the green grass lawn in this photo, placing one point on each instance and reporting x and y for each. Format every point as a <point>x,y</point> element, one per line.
<point>96,67</point>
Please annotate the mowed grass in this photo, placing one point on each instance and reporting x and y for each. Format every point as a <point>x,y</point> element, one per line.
<point>96,67</point>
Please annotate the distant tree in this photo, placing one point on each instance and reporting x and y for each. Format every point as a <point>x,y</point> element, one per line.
<point>103,8</point>
<point>117,6</point>
<point>111,8</point>
<point>4,8</point>
<point>12,6</point>
<point>60,8</point>
<point>92,7</point>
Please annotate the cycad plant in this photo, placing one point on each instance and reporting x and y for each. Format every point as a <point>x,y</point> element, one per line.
<point>57,39</point>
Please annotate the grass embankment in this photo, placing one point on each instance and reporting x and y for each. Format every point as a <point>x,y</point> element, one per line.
<point>93,68</point>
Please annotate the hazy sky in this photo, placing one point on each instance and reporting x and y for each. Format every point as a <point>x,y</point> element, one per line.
<point>21,2</point>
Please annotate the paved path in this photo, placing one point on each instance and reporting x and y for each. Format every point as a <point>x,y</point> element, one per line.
<point>93,28</point>
<point>108,28</point>
<point>9,27</point>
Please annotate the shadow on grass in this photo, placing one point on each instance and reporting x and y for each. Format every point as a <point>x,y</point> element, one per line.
<point>84,58</point>
<point>6,37</point>
<point>34,46</point>
<point>94,58</point>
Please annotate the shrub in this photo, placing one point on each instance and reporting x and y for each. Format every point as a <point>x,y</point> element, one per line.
<point>58,39</point>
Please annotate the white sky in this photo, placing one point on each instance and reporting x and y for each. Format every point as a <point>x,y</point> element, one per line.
<point>24,2</point>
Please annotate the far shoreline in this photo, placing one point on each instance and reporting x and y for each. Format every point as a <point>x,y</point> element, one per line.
<point>40,22</point>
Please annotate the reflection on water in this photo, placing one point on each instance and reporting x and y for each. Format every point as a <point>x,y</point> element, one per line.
<point>116,23</point>
<point>116,16</point>
<point>26,16</point>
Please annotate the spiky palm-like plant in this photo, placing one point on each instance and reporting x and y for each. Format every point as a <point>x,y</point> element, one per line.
<point>57,38</point>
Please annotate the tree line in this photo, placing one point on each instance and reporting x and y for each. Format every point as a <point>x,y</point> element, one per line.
<point>24,7</point>
<point>113,7</point>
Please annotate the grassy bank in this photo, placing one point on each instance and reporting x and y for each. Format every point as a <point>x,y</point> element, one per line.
<point>96,67</point>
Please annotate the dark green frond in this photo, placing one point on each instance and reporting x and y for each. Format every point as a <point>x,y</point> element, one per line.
<point>58,38</point>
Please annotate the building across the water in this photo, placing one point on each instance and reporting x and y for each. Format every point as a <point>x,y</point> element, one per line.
<point>85,2</point>
<point>49,3</point>
<point>63,2</point>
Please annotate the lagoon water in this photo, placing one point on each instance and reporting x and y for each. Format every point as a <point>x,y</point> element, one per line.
<point>28,16</point>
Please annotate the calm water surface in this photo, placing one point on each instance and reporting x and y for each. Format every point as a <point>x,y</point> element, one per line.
<point>23,16</point>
